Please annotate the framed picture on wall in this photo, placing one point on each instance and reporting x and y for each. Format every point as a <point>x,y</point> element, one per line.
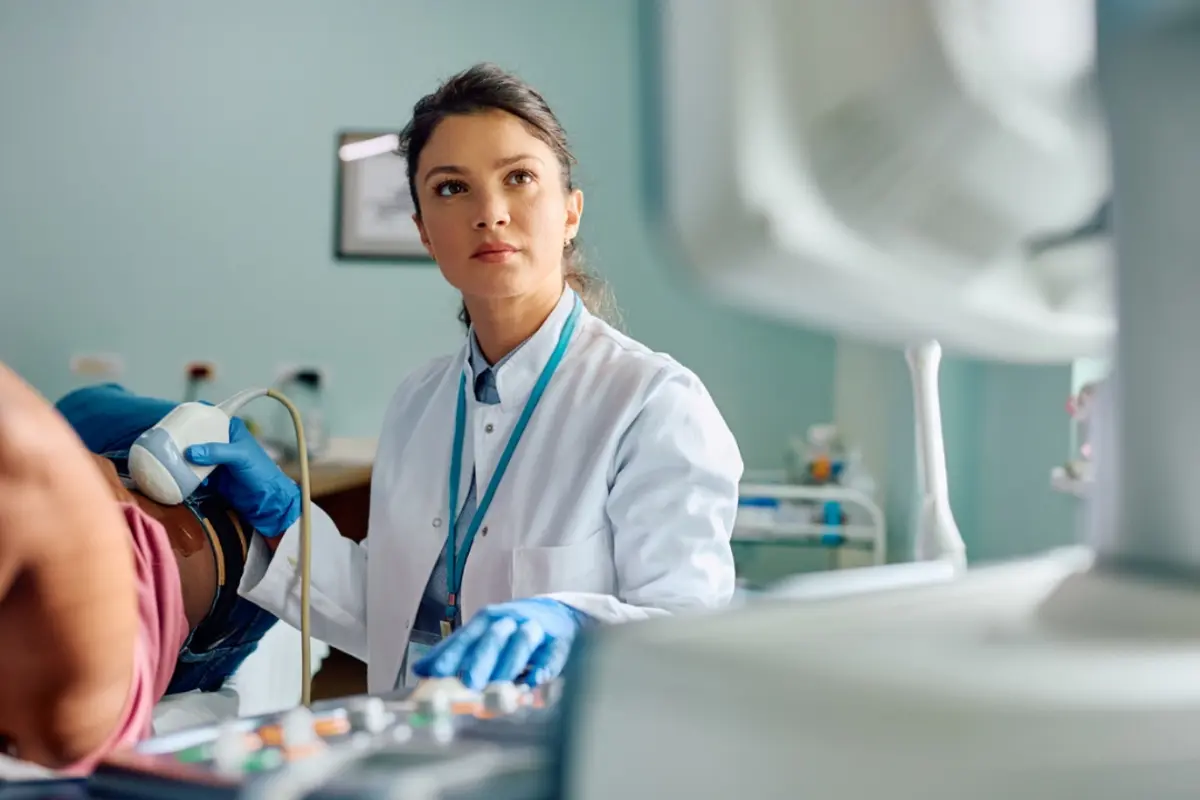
<point>373,214</point>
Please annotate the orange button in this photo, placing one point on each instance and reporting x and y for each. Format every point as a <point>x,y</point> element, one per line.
<point>325,727</point>
<point>332,726</point>
<point>271,735</point>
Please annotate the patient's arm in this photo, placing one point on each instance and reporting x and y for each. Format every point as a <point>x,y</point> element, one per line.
<point>68,603</point>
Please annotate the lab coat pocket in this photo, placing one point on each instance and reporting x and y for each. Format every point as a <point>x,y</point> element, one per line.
<point>582,566</point>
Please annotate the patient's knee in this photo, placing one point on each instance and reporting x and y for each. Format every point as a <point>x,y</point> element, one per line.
<point>68,602</point>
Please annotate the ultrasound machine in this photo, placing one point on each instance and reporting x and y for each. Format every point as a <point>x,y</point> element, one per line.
<point>900,171</point>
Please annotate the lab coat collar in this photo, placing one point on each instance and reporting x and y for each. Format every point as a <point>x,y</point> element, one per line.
<point>517,373</point>
<point>479,362</point>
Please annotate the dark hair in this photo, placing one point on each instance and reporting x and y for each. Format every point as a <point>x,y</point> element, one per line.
<point>483,88</point>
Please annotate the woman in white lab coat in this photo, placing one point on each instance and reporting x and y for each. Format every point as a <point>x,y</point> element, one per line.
<point>590,479</point>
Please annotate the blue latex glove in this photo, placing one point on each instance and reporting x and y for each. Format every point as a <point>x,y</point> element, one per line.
<point>251,482</point>
<point>527,639</point>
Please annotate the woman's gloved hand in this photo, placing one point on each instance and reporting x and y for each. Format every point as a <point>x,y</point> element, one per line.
<point>527,639</point>
<point>250,480</point>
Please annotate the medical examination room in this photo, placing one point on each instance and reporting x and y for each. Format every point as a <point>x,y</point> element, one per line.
<point>588,400</point>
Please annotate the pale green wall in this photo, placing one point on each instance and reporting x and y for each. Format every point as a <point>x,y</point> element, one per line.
<point>167,194</point>
<point>1024,433</point>
<point>1086,370</point>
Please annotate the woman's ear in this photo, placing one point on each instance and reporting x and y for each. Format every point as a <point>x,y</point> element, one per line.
<point>574,214</point>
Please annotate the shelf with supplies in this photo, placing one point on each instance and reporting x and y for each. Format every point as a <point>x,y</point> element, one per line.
<point>788,514</point>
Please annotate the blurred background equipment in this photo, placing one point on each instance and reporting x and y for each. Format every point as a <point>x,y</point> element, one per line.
<point>923,169</point>
<point>924,149</point>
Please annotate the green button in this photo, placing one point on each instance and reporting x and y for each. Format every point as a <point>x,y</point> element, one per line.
<point>264,760</point>
<point>193,755</point>
<point>417,720</point>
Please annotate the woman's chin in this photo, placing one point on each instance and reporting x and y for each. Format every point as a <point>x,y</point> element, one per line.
<point>498,283</point>
<point>495,288</point>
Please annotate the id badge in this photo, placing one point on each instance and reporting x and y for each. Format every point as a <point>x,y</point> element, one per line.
<point>419,645</point>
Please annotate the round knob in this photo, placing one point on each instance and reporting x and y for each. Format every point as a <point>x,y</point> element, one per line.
<point>434,703</point>
<point>297,728</point>
<point>442,730</point>
<point>369,714</point>
<point>501,697</point>
<point>436,697</point>
<point>229,750</point>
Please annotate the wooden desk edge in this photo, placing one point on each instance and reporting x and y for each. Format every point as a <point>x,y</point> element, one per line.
<point>327,479</point>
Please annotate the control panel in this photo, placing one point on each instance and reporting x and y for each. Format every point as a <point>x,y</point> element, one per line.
<point>441,739</point>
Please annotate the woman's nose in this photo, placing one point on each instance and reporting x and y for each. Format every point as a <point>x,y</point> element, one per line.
<point>492,212</point>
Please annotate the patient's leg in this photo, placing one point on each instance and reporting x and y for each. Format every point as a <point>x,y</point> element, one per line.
<point>68,603</point>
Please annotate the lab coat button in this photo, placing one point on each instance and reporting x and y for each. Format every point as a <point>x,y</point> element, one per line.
<point>483,530</point>
<point>489,427</point>
<point>437,522</point>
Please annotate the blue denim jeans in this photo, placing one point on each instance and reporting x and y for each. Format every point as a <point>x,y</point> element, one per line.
<point>108,419</point>
<point>206,666</point>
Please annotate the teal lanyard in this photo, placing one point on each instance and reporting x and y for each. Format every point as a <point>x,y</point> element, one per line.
<point>456,560</point>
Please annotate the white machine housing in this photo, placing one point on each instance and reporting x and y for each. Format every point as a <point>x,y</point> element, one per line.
<point>967,689</point>
<point>894,170</point>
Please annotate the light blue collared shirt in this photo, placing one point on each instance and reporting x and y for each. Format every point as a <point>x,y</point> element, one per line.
<point>436,594</point>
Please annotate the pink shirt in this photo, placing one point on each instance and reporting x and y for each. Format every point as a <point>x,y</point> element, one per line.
<point>161,634</point>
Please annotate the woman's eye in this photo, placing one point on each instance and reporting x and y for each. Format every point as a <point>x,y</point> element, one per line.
<point>521,176</point>
<point>448,188</point>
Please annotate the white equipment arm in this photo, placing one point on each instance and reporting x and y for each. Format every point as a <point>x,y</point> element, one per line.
<point>919,147</point>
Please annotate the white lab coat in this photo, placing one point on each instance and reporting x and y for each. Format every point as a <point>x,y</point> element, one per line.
<point>619,501</point>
